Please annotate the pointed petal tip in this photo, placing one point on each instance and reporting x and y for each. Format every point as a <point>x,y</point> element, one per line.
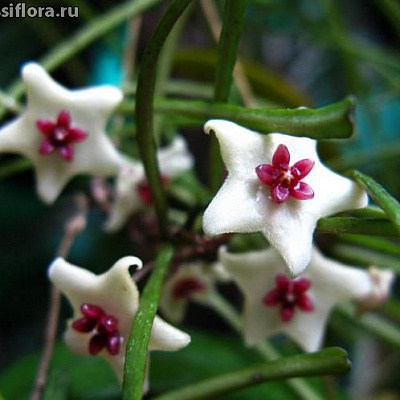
<point>214,125</point>
<point>32,69</point>
<point>127,262</point>
<point>56,264</point>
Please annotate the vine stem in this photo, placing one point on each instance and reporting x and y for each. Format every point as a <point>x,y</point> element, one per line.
<point>232,26</point>
<point>230,315</point>
<point>244,87</point>
<point>144,107</point>
<point>74,226</point>
<point>139,338</point>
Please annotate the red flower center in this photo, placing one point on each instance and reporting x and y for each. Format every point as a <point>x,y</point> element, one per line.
<point>104,329</point>
<point>185,288</point>
<point>285,181</point>
<point>289,294</point>
<point>60,136</point>
<point>144,190</point>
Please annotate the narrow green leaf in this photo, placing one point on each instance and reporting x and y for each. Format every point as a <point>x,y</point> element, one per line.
<point>328,361</point>
<point>361,226</point>
<point>334,121</point>
<point>14,167</point>
<point>83,38</point>
<point>137,348</point>
<point>380,196</point>
<point>373,243</point>
<point>365,257</point>
<point>374,324</point>
<point>232,26</point>
<point>144,106</point>
<point>57,386</point>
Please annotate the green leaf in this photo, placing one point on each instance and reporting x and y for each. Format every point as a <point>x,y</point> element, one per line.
<point>191,364</point>
<point>138,343</point>
<point>380,196</point>
<point>361,226</point>
<point>334,121</point>
<point>232,26</point>
<point>88,377</point>
<point>383,329</point>
<point>328,361</point>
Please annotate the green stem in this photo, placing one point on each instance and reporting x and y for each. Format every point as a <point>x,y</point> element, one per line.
<point>232,26</point>
<point>334,121</point>
<point>138,343</point>
<point>83,38</point>
<point>144,107</point>
<point>373,243</point>
<point>365,226</point>
<point>380,196</point>
<point>14,167</point>
<point>374,324</point>
<point>229,314</point>
<point>327,361</point>
<point>366,257</point>
<point>165,66</point>
<point>365,157</point>
<point>391,9</point>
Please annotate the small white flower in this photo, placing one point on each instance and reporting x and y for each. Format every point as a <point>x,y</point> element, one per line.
<point>132,190</point>
<point>299,307</point>
<point>103,310</point>
<point>62,131</point>
<point>278,186</point>
<point>193,281</point>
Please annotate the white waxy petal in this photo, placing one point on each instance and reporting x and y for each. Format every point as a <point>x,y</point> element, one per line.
<point>244,204</point>
<point>331,283</point>
<point>116,294</point>
<point>173,160</point>
<point>89,110</point>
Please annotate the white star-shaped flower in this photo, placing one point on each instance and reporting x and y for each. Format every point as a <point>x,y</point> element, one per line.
<point>62,132</point>
<point>132,191</point>
<point>193,281</point>
<point>103,310</point>
<point>278,186</point>
<point>300,308</point>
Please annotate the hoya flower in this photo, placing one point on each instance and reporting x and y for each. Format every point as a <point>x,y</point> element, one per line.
<point>274,303</point>
<point>190,282</point>
<point>132,190</point>
<point>276,185</point>
<point>103,310</point>
<point>62,132</point>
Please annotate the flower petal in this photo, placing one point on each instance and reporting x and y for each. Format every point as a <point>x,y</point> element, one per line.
<point>78,135</point>
<point>302,191</point>
<point>46,147</point>
<point>64,119</point>
<point>281,157</point>
<point>175,158</point>
<point>267,173</point>
<point>66,152</point>
<point>165,337</point>
<point>233,209</point>
<point>241,149</point>
<point>302,168</point>
<point>279,193</point>
<point>45,126</point>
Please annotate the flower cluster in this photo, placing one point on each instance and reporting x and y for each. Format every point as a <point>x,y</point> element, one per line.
<point>262,193</point>
<point>104,307</point>
<point>276,185</point>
